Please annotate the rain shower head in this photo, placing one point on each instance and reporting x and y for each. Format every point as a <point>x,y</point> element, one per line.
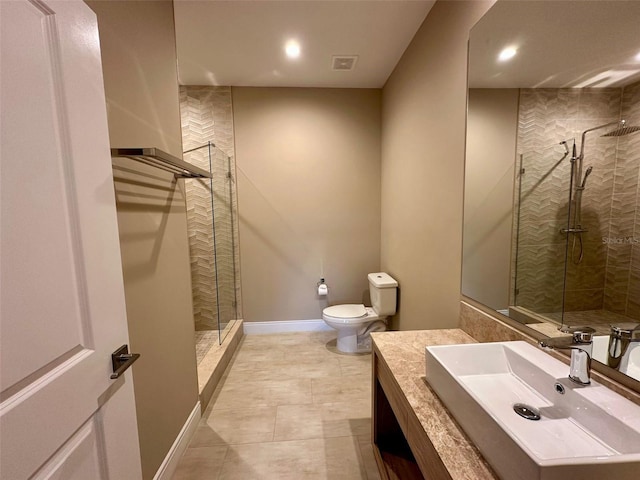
<point>622,130</point>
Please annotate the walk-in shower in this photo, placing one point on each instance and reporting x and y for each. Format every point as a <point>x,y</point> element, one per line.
<point>576,230</point>
<point>212,243</point>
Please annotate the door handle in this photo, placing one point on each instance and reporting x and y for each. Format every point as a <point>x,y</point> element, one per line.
<point>121,359</point>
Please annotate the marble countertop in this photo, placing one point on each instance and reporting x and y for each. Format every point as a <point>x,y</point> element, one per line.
<point>403,352</point>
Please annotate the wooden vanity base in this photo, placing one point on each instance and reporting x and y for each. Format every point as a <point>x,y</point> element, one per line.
<point>414,436</point>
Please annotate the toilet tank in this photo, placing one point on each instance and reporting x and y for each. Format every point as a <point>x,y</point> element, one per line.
<point>383,290</point>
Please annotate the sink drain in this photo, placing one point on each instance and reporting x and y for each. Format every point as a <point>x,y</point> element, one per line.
<point>526,411</point>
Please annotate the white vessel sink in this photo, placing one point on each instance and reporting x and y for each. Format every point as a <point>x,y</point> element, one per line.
<point>584,433</point>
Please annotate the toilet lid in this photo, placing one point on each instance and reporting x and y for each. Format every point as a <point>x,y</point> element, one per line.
<point>346,311</point>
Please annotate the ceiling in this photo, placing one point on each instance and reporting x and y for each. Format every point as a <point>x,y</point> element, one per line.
<point>241,43</point>
<point>560,44</point>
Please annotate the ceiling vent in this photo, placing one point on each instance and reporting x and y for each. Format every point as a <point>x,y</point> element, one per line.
<point>343,62</point>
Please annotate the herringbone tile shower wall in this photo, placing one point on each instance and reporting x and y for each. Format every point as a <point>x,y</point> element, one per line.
<point>547,117</point>
<point>622,282</point>
<point>207,116</point>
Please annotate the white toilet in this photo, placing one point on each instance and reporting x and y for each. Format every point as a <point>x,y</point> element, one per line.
<point>354,322</point>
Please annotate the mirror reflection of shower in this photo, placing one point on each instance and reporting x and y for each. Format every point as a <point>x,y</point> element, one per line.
<point>579,182</point>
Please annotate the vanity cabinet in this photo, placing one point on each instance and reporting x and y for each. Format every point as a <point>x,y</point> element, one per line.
<point>391,433</point>
<point>414,436</point>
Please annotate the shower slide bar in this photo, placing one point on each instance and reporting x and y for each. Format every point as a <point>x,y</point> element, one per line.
<point>159,159</point>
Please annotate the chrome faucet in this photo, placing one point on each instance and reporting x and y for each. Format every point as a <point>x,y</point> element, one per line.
<point>581,345</point>
<point>623,339</point>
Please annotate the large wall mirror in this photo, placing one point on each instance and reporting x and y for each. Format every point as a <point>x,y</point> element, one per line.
<point>552,179</point>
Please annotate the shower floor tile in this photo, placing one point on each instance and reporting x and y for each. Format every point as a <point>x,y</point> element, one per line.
<point>205,339</point>
<point>600,320</point>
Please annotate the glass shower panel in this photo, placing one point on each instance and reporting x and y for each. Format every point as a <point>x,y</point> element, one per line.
<point>224,240</point>
<point>543,203</point>
<point>210,224</point>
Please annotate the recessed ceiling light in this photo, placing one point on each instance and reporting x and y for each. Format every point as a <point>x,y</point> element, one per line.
<point>507,54</point>
<point>292,49</point>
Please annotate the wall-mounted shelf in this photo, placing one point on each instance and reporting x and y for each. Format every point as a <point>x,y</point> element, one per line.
<point>159,159</point>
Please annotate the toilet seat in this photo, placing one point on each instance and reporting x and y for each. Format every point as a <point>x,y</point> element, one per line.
<point>350,314</point>
<point>349,310</point>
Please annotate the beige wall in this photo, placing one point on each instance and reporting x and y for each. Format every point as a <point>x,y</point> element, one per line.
<point>308,168</point>
<point>492,129</point>
<point>423,138</point>
<point>138,44</point>
<point>138,56</point>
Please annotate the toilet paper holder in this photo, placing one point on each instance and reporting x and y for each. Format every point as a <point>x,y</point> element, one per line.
<point>323,288</point>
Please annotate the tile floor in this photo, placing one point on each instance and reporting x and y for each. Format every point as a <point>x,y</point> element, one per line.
<point>288,407</point>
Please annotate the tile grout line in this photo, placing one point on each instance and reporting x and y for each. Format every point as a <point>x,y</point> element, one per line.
<point>346,365</point>
<point>224,459</point>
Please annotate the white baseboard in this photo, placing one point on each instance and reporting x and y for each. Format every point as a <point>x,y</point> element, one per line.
<point>170,462</point>
<point>285,326</point>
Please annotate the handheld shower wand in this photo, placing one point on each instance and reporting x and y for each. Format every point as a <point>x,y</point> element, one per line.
<point>586,175</point>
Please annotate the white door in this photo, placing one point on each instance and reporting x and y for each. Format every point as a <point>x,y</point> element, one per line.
<point>62,310</point>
